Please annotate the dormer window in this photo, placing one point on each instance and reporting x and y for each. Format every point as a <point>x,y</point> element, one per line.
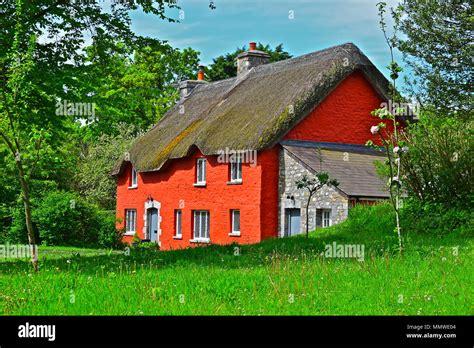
<point>134,179</point>
<point>200,172</point>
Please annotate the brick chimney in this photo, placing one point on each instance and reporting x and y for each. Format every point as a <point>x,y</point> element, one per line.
<point>251,58</point>
<point>187,86</point>
<point>201,73</point>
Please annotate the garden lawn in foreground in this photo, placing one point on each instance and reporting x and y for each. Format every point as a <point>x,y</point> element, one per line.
<point>286,276</point>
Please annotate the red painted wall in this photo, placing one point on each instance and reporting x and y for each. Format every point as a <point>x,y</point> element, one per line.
<point>174,183</point>
<point>269,192</point>
<point>344,116</point>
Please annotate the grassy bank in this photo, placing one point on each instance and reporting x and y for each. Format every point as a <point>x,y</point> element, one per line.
<point>276,277</point>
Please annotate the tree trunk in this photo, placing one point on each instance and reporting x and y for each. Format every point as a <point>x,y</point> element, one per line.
<point>25,192</point>
<point>307,216</point>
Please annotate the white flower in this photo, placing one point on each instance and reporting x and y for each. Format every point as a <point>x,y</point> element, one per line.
<point>396,149</point>
<point>405,149</point>
<point>374,129</point>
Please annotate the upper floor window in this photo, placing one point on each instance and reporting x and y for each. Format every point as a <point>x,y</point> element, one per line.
<point>201,171</point>
<point>236,170</point>
<point>134,178</point>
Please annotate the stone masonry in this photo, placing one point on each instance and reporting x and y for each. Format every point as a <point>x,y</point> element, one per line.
<point>291,170</point>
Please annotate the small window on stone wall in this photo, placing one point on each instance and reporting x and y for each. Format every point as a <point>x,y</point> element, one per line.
<point>323,218</point>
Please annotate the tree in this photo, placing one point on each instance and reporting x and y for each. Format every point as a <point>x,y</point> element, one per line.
<point>131,84</point>
<point>394,146</point>
<point>313,185</point>
<point>35,74</point>
<point>432,155</point>
<point>93,171</point>
<point>224,66</point>
<point>437,45</point>
<point>25,143</point>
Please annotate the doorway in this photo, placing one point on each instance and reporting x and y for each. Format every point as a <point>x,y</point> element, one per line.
<point>293,221</point>
<point>152,224</point>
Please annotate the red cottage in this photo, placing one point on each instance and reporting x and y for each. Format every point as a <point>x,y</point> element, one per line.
<point>221,165</point>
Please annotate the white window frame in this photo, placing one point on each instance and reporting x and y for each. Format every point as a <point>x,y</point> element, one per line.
<point>130,222</point>
<point>200,172</point>
<point>178,215</point>
<point>202,235</point>
<point>324,219</point>
<point>134,179</point>
<point>236,170</point>
<point>233,231</point>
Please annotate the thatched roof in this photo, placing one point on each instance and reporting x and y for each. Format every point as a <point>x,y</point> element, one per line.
<point>353,166</point>
<point>251,111</point>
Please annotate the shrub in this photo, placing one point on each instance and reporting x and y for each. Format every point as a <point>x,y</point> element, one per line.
<point>64,218</point>
<point>438,165</point>
<point>436,218</point>
<point>108,235</point>
<point>147,246</point>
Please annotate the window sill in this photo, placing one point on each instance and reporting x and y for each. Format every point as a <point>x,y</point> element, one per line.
<point>199,184</point>
<point>203,241</point>
<point>236,182</point>
<point>129,233</point>
<point>133,187</point>
<point>178,237</point>
<point>234,234</point>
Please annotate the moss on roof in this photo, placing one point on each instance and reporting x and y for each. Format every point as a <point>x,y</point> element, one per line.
<point>253,110</point>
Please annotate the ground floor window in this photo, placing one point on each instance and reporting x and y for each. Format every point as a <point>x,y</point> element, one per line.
<point>178,233</point>
<point>235,215</point>
<point>201,225</point>
<point>323,218</point>
<point>130,221</point>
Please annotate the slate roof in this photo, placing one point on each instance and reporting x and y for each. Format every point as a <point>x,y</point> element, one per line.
<point>252,111</point>
<point>352,166</point>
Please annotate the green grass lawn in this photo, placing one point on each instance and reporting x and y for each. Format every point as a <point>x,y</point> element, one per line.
<point>276,277</point>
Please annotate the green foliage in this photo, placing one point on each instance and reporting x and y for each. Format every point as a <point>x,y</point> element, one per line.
<point>438,219</point>
<point>439,162</point>
<point>64,218</point>
<point>132,84</point>
<point>147,246</point>
<point>93,178</point>
<point>318,181</point>
<point>224,66</point>
<point>438,47</point>
<point>136,239</point>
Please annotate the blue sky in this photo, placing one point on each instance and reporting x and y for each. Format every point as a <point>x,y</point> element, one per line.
<point>316,25</point>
